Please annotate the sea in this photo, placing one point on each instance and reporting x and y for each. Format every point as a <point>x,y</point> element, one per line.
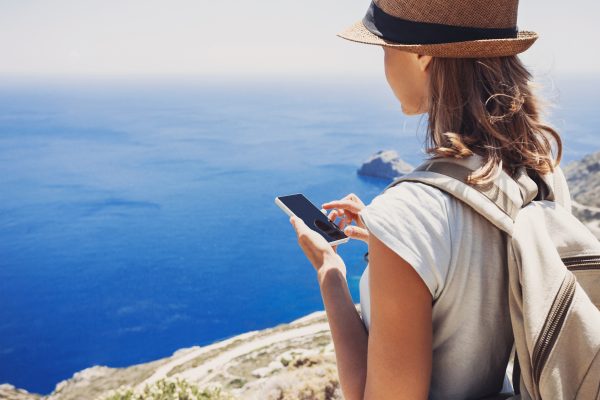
<point>137,216</point>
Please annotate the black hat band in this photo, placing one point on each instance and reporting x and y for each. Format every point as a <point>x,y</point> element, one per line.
<point>404,31</point>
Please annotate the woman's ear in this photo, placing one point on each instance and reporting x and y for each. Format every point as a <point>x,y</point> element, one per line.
<point>423,61</point>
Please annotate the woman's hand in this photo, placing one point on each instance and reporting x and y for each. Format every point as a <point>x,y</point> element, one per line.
<point>348,208</point>
<point>319,252</point>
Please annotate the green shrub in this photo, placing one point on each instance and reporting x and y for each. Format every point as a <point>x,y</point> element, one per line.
<point>171,390</point>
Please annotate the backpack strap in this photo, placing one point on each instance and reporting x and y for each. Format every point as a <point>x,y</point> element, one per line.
<point>499,202</point>
<point>551,186</point>
<point>516,374</point>
<point>557,188</point>
<point>527,186</point>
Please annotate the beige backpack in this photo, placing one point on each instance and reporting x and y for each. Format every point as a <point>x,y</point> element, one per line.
<point>554,275</point>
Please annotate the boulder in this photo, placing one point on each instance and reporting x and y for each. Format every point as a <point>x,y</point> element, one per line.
<point>385,164</point>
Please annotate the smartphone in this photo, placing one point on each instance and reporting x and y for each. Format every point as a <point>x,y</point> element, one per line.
<point>313,217</point>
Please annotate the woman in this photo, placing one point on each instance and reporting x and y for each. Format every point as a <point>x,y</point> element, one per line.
<point>435,321</point>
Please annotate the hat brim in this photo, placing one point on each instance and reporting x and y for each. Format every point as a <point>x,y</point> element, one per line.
<point>472,48</point>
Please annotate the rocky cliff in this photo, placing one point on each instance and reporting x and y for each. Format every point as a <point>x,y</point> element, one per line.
<point>288,361</point>
<point>584,184</point>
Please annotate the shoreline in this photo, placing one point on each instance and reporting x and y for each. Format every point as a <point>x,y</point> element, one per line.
<point>249,364</point>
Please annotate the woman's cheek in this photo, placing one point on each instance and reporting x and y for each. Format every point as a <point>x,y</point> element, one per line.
<point>403,93</point>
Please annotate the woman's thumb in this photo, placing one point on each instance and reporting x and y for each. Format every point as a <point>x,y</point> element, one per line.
<point>356,232</point>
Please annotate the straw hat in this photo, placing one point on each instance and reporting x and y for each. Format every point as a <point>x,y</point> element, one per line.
<point>443,28</point>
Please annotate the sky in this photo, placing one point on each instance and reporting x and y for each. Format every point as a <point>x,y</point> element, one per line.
<point>244,38</point>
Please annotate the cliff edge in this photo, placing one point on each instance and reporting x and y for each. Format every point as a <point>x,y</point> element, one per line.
<point>288,361</point>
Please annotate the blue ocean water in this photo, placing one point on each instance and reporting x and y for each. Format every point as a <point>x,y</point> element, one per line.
<point>139,218</point>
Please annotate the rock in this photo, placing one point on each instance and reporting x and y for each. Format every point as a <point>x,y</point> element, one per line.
<point>385,164</point>
<point>583,178</point>
<point>85,376</point>
<point>9,392</point>
<point>265,371</point>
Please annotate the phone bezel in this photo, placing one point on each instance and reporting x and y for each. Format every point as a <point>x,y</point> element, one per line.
<point>289,212</point>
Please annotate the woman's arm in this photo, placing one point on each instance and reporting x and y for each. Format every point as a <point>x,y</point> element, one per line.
<point>393,361</point>
<point>349,334</point>
<point>400,333</point>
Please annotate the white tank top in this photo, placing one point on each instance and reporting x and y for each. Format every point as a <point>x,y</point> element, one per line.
<point>461,257</point>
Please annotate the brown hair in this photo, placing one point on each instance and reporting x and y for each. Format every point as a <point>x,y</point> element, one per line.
<point>487,106</point>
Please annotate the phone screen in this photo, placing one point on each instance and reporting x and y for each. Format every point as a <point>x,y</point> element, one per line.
<point>312,217</point>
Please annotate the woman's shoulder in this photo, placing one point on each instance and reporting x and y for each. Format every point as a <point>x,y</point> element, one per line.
<point>413,213</point>
<point>417,189</point>
<point>412,219</point>
<point>415,196</point>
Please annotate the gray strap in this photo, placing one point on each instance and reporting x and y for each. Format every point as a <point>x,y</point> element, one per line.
<point>527,186</point>
<point>492,191</point>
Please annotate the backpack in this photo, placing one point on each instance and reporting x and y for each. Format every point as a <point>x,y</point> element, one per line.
<point>553,270</point>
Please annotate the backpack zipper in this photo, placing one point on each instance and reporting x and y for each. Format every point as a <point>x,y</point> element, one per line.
<point>552,326</point>
<point>582,263</point>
